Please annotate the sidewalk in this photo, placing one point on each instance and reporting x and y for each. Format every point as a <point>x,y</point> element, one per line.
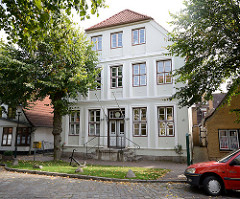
<point>175,175</point>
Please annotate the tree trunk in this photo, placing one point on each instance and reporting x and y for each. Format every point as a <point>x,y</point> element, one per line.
<point>57,130</point>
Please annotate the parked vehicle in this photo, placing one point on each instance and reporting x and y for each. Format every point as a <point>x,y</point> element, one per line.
<point>215,177</point>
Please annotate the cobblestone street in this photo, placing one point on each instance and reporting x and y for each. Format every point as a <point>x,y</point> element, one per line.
<point>19,185</point>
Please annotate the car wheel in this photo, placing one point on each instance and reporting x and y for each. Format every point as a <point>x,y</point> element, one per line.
<point>212,186</point>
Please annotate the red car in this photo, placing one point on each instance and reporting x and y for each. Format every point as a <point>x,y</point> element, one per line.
<point>215,177</point>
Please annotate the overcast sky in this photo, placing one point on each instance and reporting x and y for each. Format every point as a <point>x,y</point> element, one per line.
<point>157,9</point>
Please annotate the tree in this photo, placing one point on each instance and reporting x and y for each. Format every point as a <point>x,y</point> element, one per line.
<point>27,21</point>
<point>62,66</point>
<point>207,34</point>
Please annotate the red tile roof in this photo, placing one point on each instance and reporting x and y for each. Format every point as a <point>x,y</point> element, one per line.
<point>123,17</point>
<point>40,113</point>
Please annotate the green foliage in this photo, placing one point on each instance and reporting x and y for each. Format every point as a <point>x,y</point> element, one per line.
<point>24,19</point>
<point>95,170</point>
<point>7,153</point>
<point>207,34</point>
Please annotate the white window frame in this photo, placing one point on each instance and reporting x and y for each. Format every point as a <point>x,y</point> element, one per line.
<point>164,121</point>
<point>225,142</point>
<point>119,41</point>
<point>165,74</point>
<point>95,123</point>
<point>139,122</point>
<point>137,36</point>
<point>119,76</point>
<point>74,123</point>
<point>139,74</point>
<point>97,42</point>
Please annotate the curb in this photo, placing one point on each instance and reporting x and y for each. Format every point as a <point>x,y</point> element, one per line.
<point>85,177</point>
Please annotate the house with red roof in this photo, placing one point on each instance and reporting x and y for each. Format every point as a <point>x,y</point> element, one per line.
<point>130,113</point>
<point>33,124</point>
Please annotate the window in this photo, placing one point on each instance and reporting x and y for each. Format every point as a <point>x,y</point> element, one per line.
<point>228,139</point>
<point>139,121</point>
<point>116,40</point>
<point>138,36</point>
<point>94,122</point>
<point>116,76</point>
<point>165,121</point>
<point>97,42</point>
<point>99,81</point>
<point>139,75</point>
<point>11,112</point>
<point>164,70</point>
<point>7,136</point>
<point>74,123</point>
<point>23,136</point>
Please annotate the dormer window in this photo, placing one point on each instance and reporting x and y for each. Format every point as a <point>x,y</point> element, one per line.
<point>116,40</point>
<point>97,42</point>
<point>138,36</point>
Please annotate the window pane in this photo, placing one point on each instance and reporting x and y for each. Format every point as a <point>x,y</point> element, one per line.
<point>136,129</point>
<point>223,142</point>
<point>114,83</point>
<point>72,129</point>
<point>91,129</point>
<point>99,43</point>
<point>142,69</point>
<point>78,117</point>
<point>161,113</point>
<point>143,114</point>
<point>4,139</point>
<point>9,139</point>
<point>136,114</point>
<point>143,131</point>
<point>121,126</point>
<point>114,71</point>
<point>135,69</point>
<point>77,129</point>
<point>119,70</point>
<point>143,80</point>
<point>114,40</point>
<point>167,66</point>
<point>168,77</point>
<point>97,129</point>
<point>160,78</point>
<point>120,82</point>
<point>136,81</point>
<point>120,40</point>
<point>169,114</point>
<point>142,36</point>
<point>92,116</point>
<point>160,67</point>
<point>135,37</point>
<point>97,115</point>
<point>94,44</point>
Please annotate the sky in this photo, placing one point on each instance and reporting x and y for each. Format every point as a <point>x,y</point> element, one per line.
<point>157,9</point>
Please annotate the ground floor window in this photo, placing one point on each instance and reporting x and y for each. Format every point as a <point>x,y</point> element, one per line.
<point>7,136</point>
<point>23,136</point>
<point>228,139</point>
<point>94,122</point>
<point>139,121</point>
<point>165,121</point>
<point>74,123</point>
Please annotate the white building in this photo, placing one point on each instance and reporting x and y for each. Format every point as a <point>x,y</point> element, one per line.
<point>132,108</point>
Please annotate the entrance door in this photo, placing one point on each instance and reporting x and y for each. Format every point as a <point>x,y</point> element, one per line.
<point>116,134</point>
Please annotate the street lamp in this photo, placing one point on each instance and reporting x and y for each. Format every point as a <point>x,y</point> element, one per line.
<point>15,152</point>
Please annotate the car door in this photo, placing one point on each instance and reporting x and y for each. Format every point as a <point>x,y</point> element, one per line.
<point>234,173</point>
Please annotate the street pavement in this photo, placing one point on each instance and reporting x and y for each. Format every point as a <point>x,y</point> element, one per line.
<point>31,186</point>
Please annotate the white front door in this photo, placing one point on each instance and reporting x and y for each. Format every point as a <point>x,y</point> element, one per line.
<point>116,134</point>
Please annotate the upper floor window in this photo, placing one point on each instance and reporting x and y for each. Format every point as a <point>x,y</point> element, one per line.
<point>139,74</point>
<point>138,36</point>
<point>116,40</point>
<point>74,123</point>
<point>165,121</point>
<point>94,122</point>
<point>11,112</point>
<point>116,76</point>
<point>164,70</point>
<point>139,121</point>
<point>97,42</point>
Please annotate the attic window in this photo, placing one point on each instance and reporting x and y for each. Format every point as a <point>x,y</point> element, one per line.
<point>138,36</point>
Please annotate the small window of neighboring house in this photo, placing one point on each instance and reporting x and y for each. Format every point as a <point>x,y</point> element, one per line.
<point>165,121</point>
<point>7,136</point>
<point>228,139</point>
<point>138,36</point>
<point>11,112</point>
<point>116,76</point>
<point>116,40</point>
<point>94,122</point>
<point>139,121</point>
<point>74,123</point>
<point>139,74</point>
<point>23,136</point>
<point>164,72</point>
<point>97,42</point>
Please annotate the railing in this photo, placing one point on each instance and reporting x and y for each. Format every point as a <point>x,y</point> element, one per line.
<point>100,138</point>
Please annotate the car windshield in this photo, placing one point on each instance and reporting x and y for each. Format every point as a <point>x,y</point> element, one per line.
<point>229,156</point>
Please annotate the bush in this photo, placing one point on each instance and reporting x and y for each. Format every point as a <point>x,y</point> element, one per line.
<point>8,153</point>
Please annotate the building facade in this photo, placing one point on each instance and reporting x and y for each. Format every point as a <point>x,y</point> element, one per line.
<point>131,106</point>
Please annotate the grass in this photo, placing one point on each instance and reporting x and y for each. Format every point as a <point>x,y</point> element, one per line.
<point>94,170</point>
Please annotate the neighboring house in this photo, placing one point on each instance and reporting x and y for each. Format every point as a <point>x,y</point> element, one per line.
<point>34,124</point>
<point>131,106</point>
<point>223,132</point>
<point>198,115</point>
